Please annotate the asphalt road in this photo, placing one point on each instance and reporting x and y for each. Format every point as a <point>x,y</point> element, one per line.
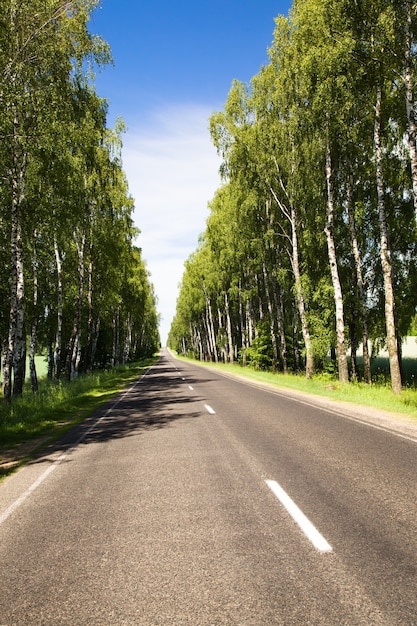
<point>198,499</point>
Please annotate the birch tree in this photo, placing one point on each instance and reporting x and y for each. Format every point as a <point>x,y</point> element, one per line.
<point>409,17</point>
<point>42,39</point>
<point>318,159</point>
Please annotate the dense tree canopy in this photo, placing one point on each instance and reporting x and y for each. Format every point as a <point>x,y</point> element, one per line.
<point>310,246</point>
<point>73,283</point>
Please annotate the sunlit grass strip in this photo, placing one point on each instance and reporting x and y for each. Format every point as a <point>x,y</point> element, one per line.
<point>377,395</point>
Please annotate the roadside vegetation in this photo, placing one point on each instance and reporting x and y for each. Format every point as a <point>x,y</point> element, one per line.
<point>73,282</point>
<point>310,246</point>
<point>74,286</point>
<point>34,420</point>
<point>378,394</point>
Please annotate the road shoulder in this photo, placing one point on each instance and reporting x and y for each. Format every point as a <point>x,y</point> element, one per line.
<point>399,423</point>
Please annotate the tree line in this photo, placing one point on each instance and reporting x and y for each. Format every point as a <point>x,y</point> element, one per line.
<point>73,283</point>
<point>309,251</point>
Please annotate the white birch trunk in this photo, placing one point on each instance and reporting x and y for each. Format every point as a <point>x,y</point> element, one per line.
<point>15,352</point>
<point>19,354</point>
<point>59,315</point>
<point>115,344</point>
<point>74,346</point>
<point>18,195</point>
<point>90,321</point>
<point>128,339</point>
<point>221,338</point>
<point>297,359</point>
<point>96,333</point>
<point>242,325</point>
<point>207,334</point>
<point>291,216</point>
<point>271,319</point>
<point>281,328</point>
<point>250,324</point>
<point>212,331</point>
<point>385,256</point>
<point>210,325</point>
<point>409,99</point>
<point>77,354</point>
<point>337,288</point>
<point>33,332</point>
<point>299,295</point>
<point>229,328</point>
<point>361,287</point>
<point>200,344</point>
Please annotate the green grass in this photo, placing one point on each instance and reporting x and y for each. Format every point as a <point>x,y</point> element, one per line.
<point>58,406</point>
<point>43,417</point>
<point>377,395</point>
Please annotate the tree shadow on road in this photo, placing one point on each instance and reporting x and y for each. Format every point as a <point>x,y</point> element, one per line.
<point>157,400</point>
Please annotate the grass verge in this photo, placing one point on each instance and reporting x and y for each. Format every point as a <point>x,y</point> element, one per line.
<point>376,395</point>
<point>35,420</point>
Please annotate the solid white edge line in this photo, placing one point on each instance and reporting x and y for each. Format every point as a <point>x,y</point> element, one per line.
<point>332,411</point>
<point>209,409</point>
<point>318,541</point>
<point>15,505</point>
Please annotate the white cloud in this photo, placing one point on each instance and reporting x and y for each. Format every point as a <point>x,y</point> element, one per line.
<point>172,169</point>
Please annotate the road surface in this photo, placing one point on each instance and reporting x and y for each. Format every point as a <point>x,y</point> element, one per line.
<point>197,499</point>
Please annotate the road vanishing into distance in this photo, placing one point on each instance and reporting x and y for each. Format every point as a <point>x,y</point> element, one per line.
<point>197,498</point>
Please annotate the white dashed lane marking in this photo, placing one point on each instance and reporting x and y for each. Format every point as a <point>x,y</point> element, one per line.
<point>318,541</point>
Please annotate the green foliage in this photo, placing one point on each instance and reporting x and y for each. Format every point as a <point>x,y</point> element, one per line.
<point>70,274</point>
<point>412,330</point>
<point>264,260</point>
<point>259,354</point>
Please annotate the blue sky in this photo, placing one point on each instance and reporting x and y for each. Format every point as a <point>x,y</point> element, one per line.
<point>174,63</point>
